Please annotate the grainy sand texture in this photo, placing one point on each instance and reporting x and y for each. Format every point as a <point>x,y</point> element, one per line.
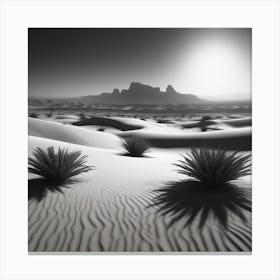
<point>109,209</point>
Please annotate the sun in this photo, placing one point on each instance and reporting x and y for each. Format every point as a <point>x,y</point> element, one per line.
<point>214,69</point>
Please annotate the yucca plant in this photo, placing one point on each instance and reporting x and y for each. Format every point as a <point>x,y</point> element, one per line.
<point>209,187</point>
<point>57,166</point>
<point>135,146</point>
<point>214,168</point>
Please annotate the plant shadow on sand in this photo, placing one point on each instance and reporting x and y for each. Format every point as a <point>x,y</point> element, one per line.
<point>209,190</point>
<point>191,199</point>
<point>39,187</point>
<point>56,170</point>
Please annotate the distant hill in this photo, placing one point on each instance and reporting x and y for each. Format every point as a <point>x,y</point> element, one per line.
<point>139,94</point>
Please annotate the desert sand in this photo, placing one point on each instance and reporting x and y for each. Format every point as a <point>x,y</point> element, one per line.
<point>107,210</point>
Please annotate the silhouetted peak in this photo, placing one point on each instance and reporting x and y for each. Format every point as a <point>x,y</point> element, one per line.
<point>116,91</point>
<point>170,90</point>
<point>139,93</point>
<point>138,88</point>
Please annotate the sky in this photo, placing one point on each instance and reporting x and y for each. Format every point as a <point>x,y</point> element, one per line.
<point>212,63</point>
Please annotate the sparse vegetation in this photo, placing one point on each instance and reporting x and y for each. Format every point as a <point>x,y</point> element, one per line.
<point>135,146</point>
<point>34,115</point>
<point>209,190</point>
<point>49,114</point>
<point>57,166</point>
<point>206,118</point>
<point>214,168</point>
<point>82,116</point>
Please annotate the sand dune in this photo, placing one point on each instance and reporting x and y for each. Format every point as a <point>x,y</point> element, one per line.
<point>107,210</point>
<point>101,217</point>
<point>241,122</point>
<point>128,124</point>
<point>171,136</point>
<point>219,123</point>
<point>193,124</point>
<point>239,138</point>
<point>72,134</point>
<point>64,119</point>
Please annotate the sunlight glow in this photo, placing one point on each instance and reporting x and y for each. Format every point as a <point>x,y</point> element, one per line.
<point>216,71</point>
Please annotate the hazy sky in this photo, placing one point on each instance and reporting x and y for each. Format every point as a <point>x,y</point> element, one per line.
<point>209,62</point>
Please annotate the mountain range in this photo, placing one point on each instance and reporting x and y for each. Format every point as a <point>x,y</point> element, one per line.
<point>139,93</point>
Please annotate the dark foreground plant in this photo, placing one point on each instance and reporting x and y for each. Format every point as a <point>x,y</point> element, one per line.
<point>211,191</point>
<point>57,166</point>
<point>214,168</point>
<point>56,169</point>
<point>135,146</point>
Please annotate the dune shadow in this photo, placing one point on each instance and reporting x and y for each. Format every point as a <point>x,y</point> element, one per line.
<point>190,200</point>
<point>124,154</point>
<point>107,122</point>
<point>39,187</point>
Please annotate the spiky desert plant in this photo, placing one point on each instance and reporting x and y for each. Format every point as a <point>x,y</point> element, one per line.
<point>210,190</point>
<point>204,122</point>
<point>214,167</point>
<point>57,166</point>
<point>135,146</point>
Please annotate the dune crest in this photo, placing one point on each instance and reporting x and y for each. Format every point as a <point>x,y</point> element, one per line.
<point>72,134</point>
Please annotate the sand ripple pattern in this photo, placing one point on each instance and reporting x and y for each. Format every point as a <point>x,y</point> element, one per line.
<point>91,217</point>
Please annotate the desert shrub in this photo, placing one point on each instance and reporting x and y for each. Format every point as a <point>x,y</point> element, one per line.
<point>82,116</point>
<point>209,188</point>
<point>204,121</point>
<point>135,146</point>
<point>57,166</point>
<point>164,121</point>
<point>214,168</point>
<point>34,115</point>
<point>206,118</point>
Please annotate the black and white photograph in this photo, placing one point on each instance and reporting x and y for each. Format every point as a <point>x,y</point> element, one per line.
<point>140,140</point>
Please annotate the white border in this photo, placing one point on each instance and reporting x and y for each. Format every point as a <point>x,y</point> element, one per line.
<point>17,16</point>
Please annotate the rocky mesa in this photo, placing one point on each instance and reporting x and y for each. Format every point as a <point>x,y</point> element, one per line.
<point>139,93</point>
